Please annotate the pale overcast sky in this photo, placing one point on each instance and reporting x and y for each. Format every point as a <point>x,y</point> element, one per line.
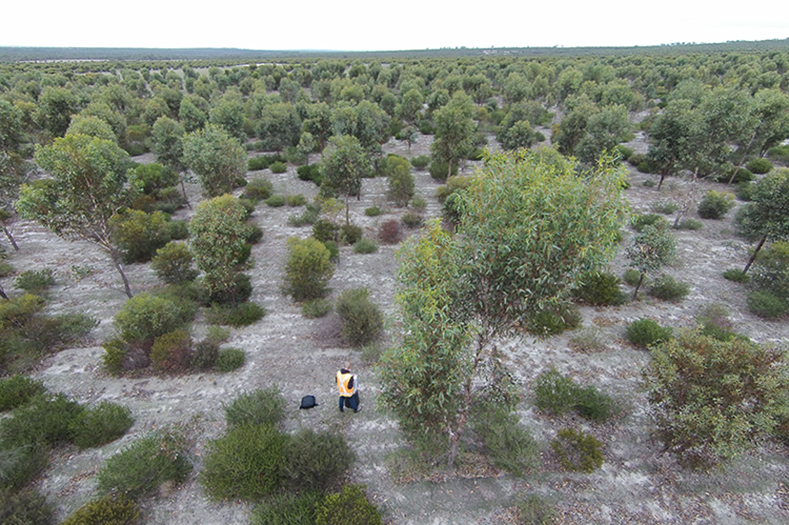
<point>355,25</point>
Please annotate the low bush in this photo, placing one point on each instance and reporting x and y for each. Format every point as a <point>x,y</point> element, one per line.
<point>230,359</point>
<point>18,390</point>
<point>766,304</point>
<point>316,460</point>
<point>257,163</point>
<point>247,464</point>
<point>690,224</point>
<point>288,509</point>
<point>715,205</point>
<point>599,289</point>
<point>172,351</point>
<point>412,219</point>
<point>631,276</point>
<point>770,271</point>
<point>204,355</point>
<point>554,393</point>
<point>419,204</point>
<point>138,234</point>
<point>306,218</point>
<point>664,207</point>
<point>276,201</point>
<point>743,175</point>
<point>142,467</point>
<point>779,153</point>
<point>145,317</point>
<point>258,190</point>
<point>533,510</point>
<point>317,307</point>
<point>636,159</point>
<point>714,322</point>
<point>592,404</point>
<point>308,269</point>
<point>325,230</point>
<point>646,332</point>
<point>296,200</point>
<point>649,219</point>
<point>365,246</point>
<point>28,507</point>
<point>440,170</point>
<point>334,250</point>
<point>243,314</point>
<point>278,167</point>
<point>350,234</point>
<point>373,211</point>
<point>362,320</point>
<point>113,509</point>
<point>744,191</point>
<point>349,507</point>
<point>667,288</point>
<point>43,422</point>
<point>100,425</point>
<point>555,321</point>
<point>35,281</point>
<point>259,407</point>
<point>510,446</point>
<point>736,275</point>
<point>390,232</point>
<point>577,451</point>
<point>19,465</point>
<point>310,172</point>
<point>759,166</point>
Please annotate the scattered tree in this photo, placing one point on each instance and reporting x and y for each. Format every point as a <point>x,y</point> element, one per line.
<point>216,157</point>
<point>766,217</point>
<point>343,166</point>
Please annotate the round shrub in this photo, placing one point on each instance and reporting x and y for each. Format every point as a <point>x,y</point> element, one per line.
<point>715,205</point>
<point>288,509</point>
<point>667,288</point>
<point>509,446</point>
<point>113,509</point>
<point>259,407</point>
<point>278,167</point>
<point>412,219</point>
<point>35,281</point>
<point>45,421</point>
<point>760,166</point>
<point>334,250</point>
<point>236,294</point>
<point>138,234</point>
<point>243,314</point>
<point>420,162</point>
<point>258,190</point>
<point>204,355</point>
<point>390,232</point>
<point>247,463</point>
<point>373,211</point>
<point>744,191</point>
<point>743,175</point>
<point>172,351</point>
<point>316,460</point>
<point>316,308</point>
<point>349,507</point>
<point>766,304</point>
<point>362,320</point>
<point>100,425</point>
<point>350,234</point>
<point>646,332</point>
<point>599,289</point>
<point>275,201</point>
<point>555,321</point>
<point>257,163</point>
<point>533,510</point>
<point>325,230</point>
<point>649,219</point>
<point>771,269</point>
<point>440,170</point>
<point>365,246</point>
<point>19,465</point>
<point>145,317</point>
<point>18,390</point>
<point>664,207</point>
<point>593,404</point>
<point>230,359</point>
<point>736,275</point>
<point>419,204</point>
<point>28,507</point>
<point>690,224</point>
<point>578,451</point>
<point>308,269</point>
<point>296,200</point>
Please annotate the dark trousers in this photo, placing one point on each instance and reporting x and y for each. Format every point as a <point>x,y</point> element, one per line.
<point>350,402</point>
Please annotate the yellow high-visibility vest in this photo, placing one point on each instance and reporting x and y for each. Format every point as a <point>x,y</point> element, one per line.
<point>342,384</point>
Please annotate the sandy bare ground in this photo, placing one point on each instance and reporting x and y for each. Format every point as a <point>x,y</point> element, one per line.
<point>637,484</point>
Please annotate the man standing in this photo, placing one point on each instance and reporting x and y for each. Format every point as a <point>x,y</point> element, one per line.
<point>348,385</point>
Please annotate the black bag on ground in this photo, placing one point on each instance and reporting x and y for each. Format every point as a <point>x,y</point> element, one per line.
<point>308,402</point>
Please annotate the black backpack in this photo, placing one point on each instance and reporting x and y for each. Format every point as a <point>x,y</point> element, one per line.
<point>308,402</point>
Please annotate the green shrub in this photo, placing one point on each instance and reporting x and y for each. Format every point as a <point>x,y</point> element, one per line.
<point>257,163</point>
<point>554,321</point>
<point>577,451</point>
<point>714,322</point>
<point>258,190</point>
<point>532,510</point>
<point>255,235</point>
<point>236,294</point>
<point>624,152</point>
<point>350,234</point>
<point>18,390</point>
<point>109,510</point>
<point>770,271</point>
<point>308,269</point>
<point>690,224</point>
<point>145,317</point>
<point>325,230</point>
<point>667,288</point>
<point>554,393</point>
<point>649,219</point>
<point>779,153</point>
<point>204,355</point>
<point>373,211</point>
<point>636,159</point>
<point>646,332</point>
<point>288,509</point>
<point>760,166</point>
<point>599,289</point>
<point>230,359</point>
<point>28,507</point>
<point>296,200</point>
<point>736,275</point>
<point>419,204</point>
<point>644,167</point>
<point>275,201</point>
<point>588,341</point>
<point>420,162</point>
<point>45,422</point>
<point>100,425</point>
<point>664,207</point>
<point>349,507</point>
<point>412,219</point>
<point>35,281</point>
<point>138,234</point>
<point>278,167</point>
<point>509,445</point>
<point>307,217</point>
<point>334,250</point>
<point>362,320</point>
<point>592,404</point>
<point>715,205</point>
<point>243,314</point>
<point>172,351</point>
<point>744,191</point>
<point>142,467</point>
<point>766,304</point>
<point>311,172</point>
<point>365,246</point>
<point>440,170</point>
<point>19,465</point>
<point>317,307</point>
<point>247,464</point>
<point>316,460</point>
<point>259,407</point>
<point>390,232</point>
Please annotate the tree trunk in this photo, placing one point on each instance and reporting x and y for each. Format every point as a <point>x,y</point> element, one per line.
<point>118,266</point>
<point>659,184</point>
<point>755,254</point>
<point>183,190</point>
<point>347,210</point>
<point>2,294</point>
<point>449,170</point>
<point>10,238</point>
<point>640,280</point>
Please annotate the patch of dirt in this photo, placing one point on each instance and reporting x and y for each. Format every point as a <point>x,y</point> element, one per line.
<point>637,484</point>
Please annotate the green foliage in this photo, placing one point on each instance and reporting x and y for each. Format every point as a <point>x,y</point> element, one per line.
<point>216,157</point>
<point>578,451</point>
<point>138,234</point>
<point>145,317</point>
<point>736,275</point>
<point>650,250</point>
<point>362,320</point>
<point>343,165</point>
<point>19,465</point>
<point>690,224</point>
<point>108,510</point>
<point>45,422</point>
<point>243,314</point>
<point>554,320</point>
<point>439,170</point>
<point>100,425</point>
<point>373,211</point>
<point>172,351</point>
<point>419,204</point>
<point>759,166</point>
<point>172,264</point>
<point>557,394</point>
<point>509,445</point>
<point>647,332</point>
<point>412,219</point>
<point>259,407</point>
<point>349,507</point>
<point>399,179</point>
<point>350,234</point>
<point>365,245</point>
<point>744,191</point>
<point>715,205</point>
<point>296,200</point>
<point>532,510</point>
<point>258,189</point>
<point>420,162</point>
<point>35,281</point>
<point>316,308</point>
<point>667,288</point>
<point>278,167</point>
<point>18,390</point>
<point>310,172</point>
<point>771,269</point>
<point>649,219</point>
<point>588,341</point>
<point>247,463</point>
<point>325,230</point>
<point>258,163</point>
<point>713,400</point>
<point>316,460</point>
<point>204,355</point>
<point>664,207</point>
<point>288,509</point>
<point>230,359</point>
<point>308,269</point>
<point>599,289</point>
<point>766,304</point>
<point>142,467</point>
<point>275,201</point>
<point>779,153</point>
<point>28,507</point>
